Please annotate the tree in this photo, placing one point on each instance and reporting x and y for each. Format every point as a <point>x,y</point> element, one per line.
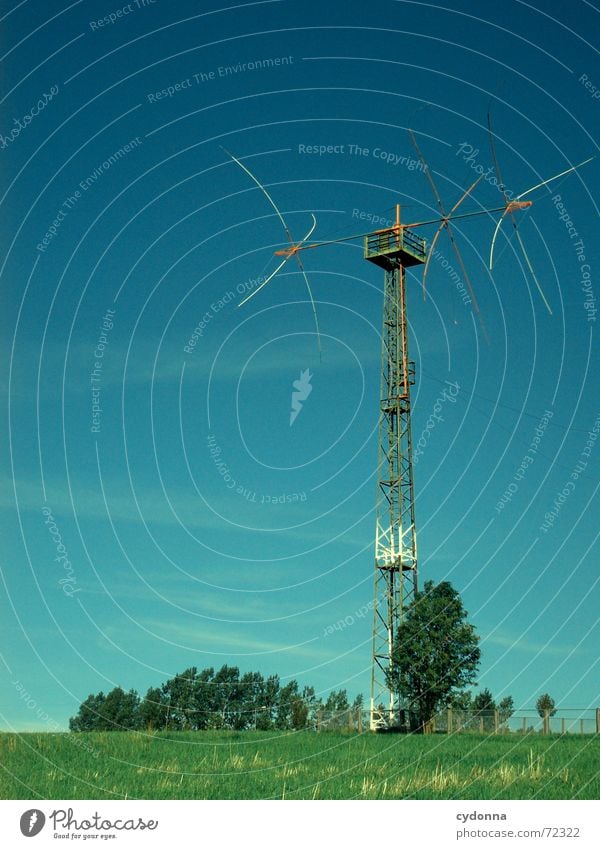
<point>337,702</point>
<point>461,704</point>
<point>299,717</point>
<point>89,715</point>
<point>506,708</point>
<point>484,701</point>
<point>462,701</point>
<point>178,693</point>
<point>227,697</point>
<point>120,711</point>
<point>115,711</point>
<point>153,710</point>
<point>313,705</point>
<point>268,703</point>
<point>203,699</point>
<point>485,709</point>
<point>359,702</point>
<point>251,689</point>
<point>435,653</point>
<point>336,709</point>
<point>289,695</point>
<point>545,706</point>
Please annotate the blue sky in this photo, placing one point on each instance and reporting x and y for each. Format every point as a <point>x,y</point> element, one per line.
<point>126,554</point>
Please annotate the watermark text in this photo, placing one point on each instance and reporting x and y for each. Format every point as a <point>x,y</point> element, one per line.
<point>69,581</point>
<point>96,375</point>
<point>23,122</point>
<point>449,394</point>
<point>526,462</point>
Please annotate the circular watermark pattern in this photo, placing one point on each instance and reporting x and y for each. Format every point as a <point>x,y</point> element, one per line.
<point>206,390</point>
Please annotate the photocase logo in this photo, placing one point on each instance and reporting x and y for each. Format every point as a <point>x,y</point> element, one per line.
<point>302,389</point>
<point>32,822</point>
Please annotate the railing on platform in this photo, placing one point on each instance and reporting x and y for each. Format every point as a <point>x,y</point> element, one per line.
<point>393,241</point>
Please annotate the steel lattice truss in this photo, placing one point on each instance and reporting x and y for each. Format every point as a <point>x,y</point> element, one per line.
<point>396,539</point>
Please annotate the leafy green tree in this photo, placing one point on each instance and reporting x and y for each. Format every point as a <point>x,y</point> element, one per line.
<point>356,712</point>
<point>153,710</point>
<point>461,704</point>
<point>299,714</point>
<point>178,694</point>
<point>484,708</point>
<point>358,705</point>
<point>337,702</point>
<point>313,705</point>
<point>120,711</point>
<point>288,694</point>
<point>435,654</point>
<point>115,711</point>
<point>336,708</point>
<point>506,708</point>
<point>227,697</point>
<point>461,701</point>
<point>267,707</point>
<point>90,713</point>
<point>484,701</point>
<point>203,699</point>
<point>359,702</point>
<point>251,689</point>
<point>545,706</point>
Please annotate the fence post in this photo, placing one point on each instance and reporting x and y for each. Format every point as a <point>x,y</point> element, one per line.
<point>495,722</point>
<point>546,721</point>
<point>597,720</point>
<point>359,724</point>
<point>450,720</point>
<point>562,726</point>
<point>524,725</point>
<point>581,726</point>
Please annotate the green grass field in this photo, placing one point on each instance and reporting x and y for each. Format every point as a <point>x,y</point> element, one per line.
<point>302,765</point>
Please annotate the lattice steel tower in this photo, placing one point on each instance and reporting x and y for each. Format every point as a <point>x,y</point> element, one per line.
<point>393,249</point>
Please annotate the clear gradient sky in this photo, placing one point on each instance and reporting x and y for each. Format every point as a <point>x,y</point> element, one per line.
<point>158,508</point>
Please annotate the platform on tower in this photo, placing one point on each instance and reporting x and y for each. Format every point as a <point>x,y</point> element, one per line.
<point>388,247</point>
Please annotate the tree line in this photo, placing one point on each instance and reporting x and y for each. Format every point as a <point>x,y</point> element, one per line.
<point>435,658</point>
<point>208,699</point>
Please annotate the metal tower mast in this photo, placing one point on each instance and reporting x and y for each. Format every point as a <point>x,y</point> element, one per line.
<point>393,249</point>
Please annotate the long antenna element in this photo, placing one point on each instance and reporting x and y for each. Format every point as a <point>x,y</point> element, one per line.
<point>294,248</point>
<point>445,225</point>
<point>518,203</point>
<point>508,209</point>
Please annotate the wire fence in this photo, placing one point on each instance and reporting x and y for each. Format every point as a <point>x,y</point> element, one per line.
<point>450,721</point>
<point>562,721</point>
